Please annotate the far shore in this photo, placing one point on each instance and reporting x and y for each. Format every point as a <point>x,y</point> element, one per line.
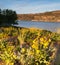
<point>53,16</point>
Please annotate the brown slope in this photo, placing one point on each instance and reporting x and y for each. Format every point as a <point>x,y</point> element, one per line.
<point>53,16</point>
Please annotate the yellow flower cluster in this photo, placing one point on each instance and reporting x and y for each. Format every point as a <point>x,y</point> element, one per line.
<point>45,42</point>
<point>29,48</point>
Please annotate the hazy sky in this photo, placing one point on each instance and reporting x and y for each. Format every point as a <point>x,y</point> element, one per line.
<point>30,6</point>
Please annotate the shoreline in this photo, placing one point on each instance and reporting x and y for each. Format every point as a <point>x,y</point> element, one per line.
<point>40,21</point>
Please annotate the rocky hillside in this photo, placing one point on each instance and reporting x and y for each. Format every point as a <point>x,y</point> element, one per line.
<point>53,16</point>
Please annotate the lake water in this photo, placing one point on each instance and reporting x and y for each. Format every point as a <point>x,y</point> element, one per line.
<point>51,26</point>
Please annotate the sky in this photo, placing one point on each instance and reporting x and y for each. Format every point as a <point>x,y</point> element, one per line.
<point>30,6</point>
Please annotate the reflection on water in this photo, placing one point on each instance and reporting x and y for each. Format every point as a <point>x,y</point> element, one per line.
<point>52,26</point>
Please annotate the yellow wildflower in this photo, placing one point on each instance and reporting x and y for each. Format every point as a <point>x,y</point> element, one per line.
<point>11,63</point>
<point>31,52</point>
<point>14,56</point>
<point>35,46</point>
<point>49,40</point>
<point>23,50</point>
<point>41,39</point>
<point>41,43</point>
<point>37,51</point>
<point>46,44</point>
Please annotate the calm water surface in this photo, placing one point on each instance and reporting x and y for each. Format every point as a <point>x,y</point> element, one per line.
<point>51,26</point>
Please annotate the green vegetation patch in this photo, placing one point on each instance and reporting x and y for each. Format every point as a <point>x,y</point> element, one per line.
<point>27,46</point>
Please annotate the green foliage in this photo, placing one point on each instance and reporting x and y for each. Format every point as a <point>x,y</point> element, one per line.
<point>7,17</point>
<point>6,53</point>
<point>56,37</point>
<point>27,46</point>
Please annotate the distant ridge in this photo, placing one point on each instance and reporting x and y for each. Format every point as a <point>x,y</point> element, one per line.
<point>53,16</point>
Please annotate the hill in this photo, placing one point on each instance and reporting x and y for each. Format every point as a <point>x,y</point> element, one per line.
<point>53,16</point>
